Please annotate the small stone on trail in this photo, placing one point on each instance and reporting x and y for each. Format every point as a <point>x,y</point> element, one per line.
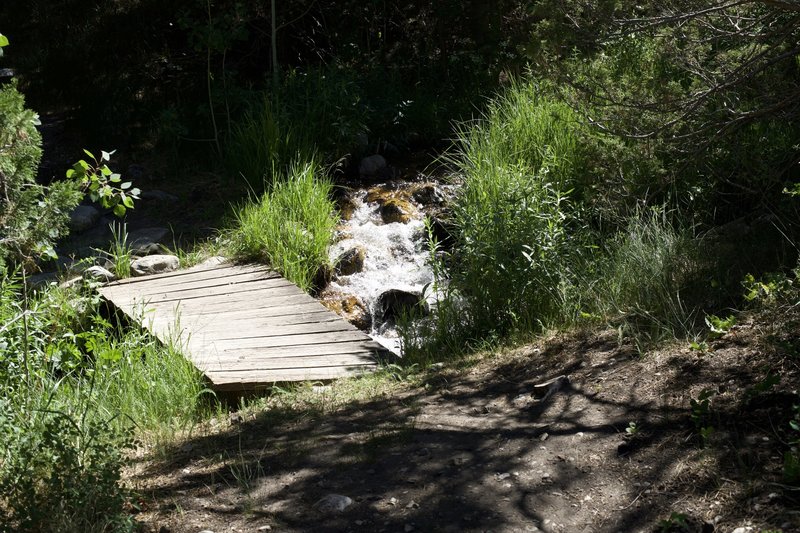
<point>154,264</point>
<point>333,503</point>
<point>98,273</point>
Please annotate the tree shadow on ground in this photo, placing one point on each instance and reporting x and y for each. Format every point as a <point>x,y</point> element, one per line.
<point>476,450</point>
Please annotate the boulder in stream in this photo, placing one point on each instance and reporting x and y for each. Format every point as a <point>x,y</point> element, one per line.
<point>393,303</point>
<point>351,261</point>
<point>372,166</point>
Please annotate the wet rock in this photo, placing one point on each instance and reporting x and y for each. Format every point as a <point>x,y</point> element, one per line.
<point>98,273</point>
<point>147,241</point>
<point>154,264</point>
<point>428,194</point>
<point>442,232</point>
<point>372,166</point>
<point>333,503</point>
<point>394,302</point>
<point>395,210</point>
<point>351,261</point>
<point>82,218</point>
<point>156,196</point>
<point>351,309</point>
<point>347,207</point>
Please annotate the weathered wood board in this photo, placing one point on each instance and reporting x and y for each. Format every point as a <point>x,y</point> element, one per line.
<point>244,326</point>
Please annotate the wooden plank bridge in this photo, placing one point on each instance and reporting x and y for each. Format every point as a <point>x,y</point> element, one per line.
<point>244,326</point>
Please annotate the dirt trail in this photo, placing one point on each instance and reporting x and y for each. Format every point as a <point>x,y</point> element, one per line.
<point>479,450</point>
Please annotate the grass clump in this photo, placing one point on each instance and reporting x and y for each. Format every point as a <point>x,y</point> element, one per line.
<point>530,252</point>
<point>290,226</point>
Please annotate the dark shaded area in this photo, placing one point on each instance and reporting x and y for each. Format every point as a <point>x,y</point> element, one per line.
<point>474,451</point>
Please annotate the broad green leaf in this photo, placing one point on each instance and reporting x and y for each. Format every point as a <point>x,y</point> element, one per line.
<point>135,192</point>
<point>84,165</point>
<point>105,156</point>
<point>90,154</point>
<point>115,178</point>
<point>127,201</point>
<point>106,171</point>
<point>3,40</point>
<point>119,210</point>
<point>126,185</point>
<point>70,172</point>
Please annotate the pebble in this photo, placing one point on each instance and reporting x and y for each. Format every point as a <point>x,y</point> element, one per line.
<point>333,503</point>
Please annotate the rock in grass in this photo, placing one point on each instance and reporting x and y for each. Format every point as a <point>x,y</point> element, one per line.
<point>147,240</point>
<point>154,264</point>
<point>333,503</point>
<point>98,273</point>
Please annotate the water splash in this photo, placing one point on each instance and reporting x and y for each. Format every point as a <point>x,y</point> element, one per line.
<point>396,257</point>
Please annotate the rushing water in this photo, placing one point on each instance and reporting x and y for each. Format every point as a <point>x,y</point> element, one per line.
<point>396,257</point>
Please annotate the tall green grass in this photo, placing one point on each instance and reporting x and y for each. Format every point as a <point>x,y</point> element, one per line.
<point>290,226</point>
<point>514,217</point>
<point>529,254</point>
<point>319,111</point>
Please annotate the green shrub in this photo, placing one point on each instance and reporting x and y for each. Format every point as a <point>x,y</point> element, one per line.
<point>31,216</point>
<point>650,279</point>
<point>60,471</point>
<point>514,218</point>
<point>290,226</point>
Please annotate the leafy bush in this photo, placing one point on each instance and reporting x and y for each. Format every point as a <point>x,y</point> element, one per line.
<point>31,216</point>
<point>290,226</point>
<point>60,471</point>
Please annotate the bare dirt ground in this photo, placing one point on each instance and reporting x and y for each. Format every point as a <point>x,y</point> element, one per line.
<point>481,448</point>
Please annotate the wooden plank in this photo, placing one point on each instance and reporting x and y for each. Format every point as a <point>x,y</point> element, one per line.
<point>220,304</point>
<point>241,292</point>
<point>249,379</point>
<point>208,324</point>
<point>285,341</point>
<point>175,274</point>
<point>285,363</point>
<point>298,350</point>
<point>246,327</point>
<point>171,285</point>
<point>192,290</point>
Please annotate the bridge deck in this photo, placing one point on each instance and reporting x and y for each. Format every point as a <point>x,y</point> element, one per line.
<point>244,326</point>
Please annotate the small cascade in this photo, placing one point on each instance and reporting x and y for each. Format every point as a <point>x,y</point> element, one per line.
<point>381,257</point>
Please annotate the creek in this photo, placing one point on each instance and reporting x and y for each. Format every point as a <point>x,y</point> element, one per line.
<point>381,256</point>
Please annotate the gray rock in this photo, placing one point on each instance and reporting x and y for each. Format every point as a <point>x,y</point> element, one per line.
<point>157,196</point>
<point>98,273</point>
<point>392,303</point>
<point>214,261</point>
<point>350,261</point>
<point>429,194</point>
<point>333,503</point>
<point>82,218</point>
<point>154,264</point>
<point>372,165</point>
<point>147,241</point>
